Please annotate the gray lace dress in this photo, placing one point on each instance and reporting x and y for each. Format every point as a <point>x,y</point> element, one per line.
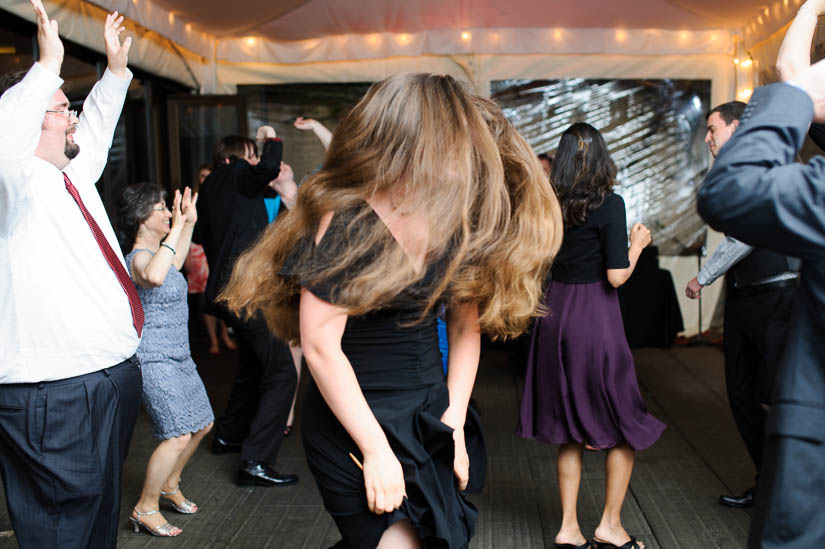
<point>173,393</point>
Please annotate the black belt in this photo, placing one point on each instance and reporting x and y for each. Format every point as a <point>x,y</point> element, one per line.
<point>756,289</point>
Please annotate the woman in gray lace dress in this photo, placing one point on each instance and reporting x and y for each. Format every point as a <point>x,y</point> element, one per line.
<point>173,393</point>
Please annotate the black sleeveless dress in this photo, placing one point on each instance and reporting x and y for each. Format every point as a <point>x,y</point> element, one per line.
<point>396,359</point>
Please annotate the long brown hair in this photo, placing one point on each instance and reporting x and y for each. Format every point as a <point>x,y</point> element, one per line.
<point>455,163</point>
<point>583,172</point>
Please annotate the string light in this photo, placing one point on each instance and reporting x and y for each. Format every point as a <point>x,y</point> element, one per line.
<point>621,36</point>
<point>403,39</point>
<point>250,41</point>
<point>466,36</point>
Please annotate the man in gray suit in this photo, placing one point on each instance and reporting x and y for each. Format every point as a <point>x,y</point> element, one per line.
<point>758,194</point>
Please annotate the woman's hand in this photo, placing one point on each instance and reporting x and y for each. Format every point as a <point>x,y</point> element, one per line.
<point>461,464</point>
<point>187,207</point>
<point>384,481</point>
<point>177,215</point>
<point>640,236</point>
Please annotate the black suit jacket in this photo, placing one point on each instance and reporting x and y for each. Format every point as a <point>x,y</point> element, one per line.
<point>232,214</point>
<point>757,193</point>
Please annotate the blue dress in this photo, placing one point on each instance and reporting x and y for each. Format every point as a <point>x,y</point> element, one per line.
<point>173,393</point>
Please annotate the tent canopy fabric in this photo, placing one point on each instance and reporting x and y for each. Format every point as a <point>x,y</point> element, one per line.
<point>218,44</point>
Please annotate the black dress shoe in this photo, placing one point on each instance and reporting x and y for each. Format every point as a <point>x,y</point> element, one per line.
<point>738,502</point>
<point>255,473</point>
<point>221,446</point>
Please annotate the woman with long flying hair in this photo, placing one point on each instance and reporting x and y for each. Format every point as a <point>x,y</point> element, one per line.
<point>426,196</point>
<point>581,387</point>
<point>156,242</point>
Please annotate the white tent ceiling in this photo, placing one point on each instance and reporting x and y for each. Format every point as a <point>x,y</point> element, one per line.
<point>218,44</point>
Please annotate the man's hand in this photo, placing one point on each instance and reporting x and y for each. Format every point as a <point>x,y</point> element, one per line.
<point>48,41</point>
<point>694,289</point>
<point>285,185</point>
<point>116,53</point>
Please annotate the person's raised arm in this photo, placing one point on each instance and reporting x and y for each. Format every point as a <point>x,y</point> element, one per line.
<point>795,52</point>
<point>48,40</point>
<point>639,239</point>
<point>320,131</point>
<point>255,178</point>
<point>285,185</point>
<point>190,216</point>
<point>22,110</point>
<point>756,191</point>
<point>149,271</point>
<point>117,53</point>
<point>102,108</point>
<point>464,348</point>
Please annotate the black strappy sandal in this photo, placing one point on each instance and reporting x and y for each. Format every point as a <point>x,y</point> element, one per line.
<point>632,544</point>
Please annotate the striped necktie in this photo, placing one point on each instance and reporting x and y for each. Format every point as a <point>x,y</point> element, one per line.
<point>111,258</point>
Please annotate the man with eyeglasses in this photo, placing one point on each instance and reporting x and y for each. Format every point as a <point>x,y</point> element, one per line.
<point>70,319</point>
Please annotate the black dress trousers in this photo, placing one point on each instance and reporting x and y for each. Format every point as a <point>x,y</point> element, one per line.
<point>756,329</point>
<point>261,393</point>
<point>62,448</point>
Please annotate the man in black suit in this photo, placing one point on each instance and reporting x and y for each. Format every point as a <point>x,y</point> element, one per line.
<point>760,290</point>
<point>758,194</point>
<point>233,214</point>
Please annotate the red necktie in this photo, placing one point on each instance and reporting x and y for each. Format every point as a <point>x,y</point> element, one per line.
<point>111,258</point>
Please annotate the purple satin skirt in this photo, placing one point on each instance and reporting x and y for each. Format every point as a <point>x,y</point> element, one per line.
<point>581,379</point>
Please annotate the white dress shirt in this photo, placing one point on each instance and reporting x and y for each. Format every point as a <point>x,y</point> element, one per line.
<point>63,312</point>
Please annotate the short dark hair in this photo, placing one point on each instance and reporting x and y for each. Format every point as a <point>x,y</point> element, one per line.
<point>729,111</point>
<point>9,79</point>
<point>232,148</point>
<point>133,207</point>
<point>545,156</point>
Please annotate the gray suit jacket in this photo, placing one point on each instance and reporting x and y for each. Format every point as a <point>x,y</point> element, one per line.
<point>757,193</point>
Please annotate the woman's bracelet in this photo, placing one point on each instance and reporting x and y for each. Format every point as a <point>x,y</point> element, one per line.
<point>165,245</point>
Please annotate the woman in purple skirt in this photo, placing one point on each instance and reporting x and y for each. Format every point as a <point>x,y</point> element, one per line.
<point>581,387</point>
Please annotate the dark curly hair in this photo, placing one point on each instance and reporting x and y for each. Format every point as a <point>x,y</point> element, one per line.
<point>583,172</point>
<point>133,208</point>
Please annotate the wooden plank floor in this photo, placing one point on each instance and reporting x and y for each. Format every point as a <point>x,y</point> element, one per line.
<point>671,502</point>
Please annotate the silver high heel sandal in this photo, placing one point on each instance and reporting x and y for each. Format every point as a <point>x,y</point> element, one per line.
<point>165,530</point>
<point>187,507</point>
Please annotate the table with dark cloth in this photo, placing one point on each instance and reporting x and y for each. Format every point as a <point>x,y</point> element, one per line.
<point>650,308</point>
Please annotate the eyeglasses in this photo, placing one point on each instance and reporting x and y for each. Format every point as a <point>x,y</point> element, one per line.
<point>68,114</point>
<point>163,209</point>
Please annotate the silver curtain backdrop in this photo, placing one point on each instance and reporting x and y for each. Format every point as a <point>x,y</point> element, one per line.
<point>654,130</point>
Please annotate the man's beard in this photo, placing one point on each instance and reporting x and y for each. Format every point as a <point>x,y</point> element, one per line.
<point>71,149</point>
